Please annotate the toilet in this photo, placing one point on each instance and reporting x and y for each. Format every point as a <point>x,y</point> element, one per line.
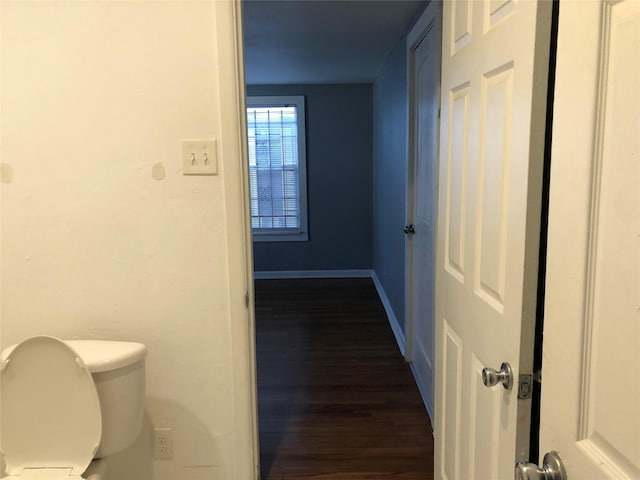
<point>66,405</point>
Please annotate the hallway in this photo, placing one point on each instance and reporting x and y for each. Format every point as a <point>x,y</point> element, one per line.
<point>335,398</point>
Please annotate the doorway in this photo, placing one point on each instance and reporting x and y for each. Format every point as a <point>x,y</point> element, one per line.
<point>356,237</point>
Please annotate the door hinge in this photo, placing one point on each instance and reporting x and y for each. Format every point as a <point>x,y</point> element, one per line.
<point>246,299</point>
<point>525,386</point>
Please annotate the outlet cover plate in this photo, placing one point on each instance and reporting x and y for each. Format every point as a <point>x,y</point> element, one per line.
<point>162,443</point>
<point>199,157</point>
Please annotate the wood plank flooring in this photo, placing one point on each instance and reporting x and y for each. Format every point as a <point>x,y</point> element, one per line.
<point>336,400</point>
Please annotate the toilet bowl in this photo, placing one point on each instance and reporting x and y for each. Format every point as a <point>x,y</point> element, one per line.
<point>64,406</point>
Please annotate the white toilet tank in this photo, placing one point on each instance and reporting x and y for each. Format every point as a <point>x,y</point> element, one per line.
<point>118,371</point>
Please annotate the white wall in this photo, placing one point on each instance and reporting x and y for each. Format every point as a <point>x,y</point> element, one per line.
<point>96,97</point>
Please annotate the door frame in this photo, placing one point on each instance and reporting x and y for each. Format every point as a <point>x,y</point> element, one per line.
<point>430,18</point>
<point>241,292</point>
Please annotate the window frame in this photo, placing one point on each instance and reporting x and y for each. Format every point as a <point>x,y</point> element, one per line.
<point>300,234</point>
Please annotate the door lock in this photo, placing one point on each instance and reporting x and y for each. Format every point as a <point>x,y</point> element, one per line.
<point>491,377</point>
<point>409,229</point>
<point>552,469</point>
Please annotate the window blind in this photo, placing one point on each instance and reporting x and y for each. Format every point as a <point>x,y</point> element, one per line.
<point>273,167</point>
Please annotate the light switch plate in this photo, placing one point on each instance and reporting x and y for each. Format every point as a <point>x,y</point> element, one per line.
<point>199,157</point>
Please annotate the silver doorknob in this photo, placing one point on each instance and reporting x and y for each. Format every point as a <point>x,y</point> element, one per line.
<point>552,469</point>
<point>409,229</point>
<point>491,377</point>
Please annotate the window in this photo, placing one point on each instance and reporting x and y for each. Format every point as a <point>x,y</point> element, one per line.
<point>277,168</point>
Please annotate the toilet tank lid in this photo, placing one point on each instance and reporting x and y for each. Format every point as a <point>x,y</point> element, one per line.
<point>103,355</point>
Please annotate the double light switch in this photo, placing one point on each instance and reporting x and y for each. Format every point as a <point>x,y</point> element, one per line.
<point>199,157</point>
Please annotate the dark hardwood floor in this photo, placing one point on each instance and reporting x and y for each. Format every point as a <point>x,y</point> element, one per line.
<point>335,398</point>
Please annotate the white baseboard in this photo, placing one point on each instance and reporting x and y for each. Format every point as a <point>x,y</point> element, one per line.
<point>276,274</point>
<point>393,321</point>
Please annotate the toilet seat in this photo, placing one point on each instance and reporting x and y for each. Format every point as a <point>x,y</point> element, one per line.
<point>51,423</point>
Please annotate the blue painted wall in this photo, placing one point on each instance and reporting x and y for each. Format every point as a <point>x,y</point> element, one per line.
<point>340,179</point>
<point>390,177</point>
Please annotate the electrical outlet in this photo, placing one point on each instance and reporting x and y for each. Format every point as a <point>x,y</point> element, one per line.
<point>199,157</point>
<point>162,443</point>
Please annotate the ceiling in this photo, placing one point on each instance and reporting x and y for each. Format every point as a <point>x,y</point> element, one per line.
<point>321,41</point>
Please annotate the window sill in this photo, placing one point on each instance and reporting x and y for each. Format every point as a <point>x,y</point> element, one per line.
<point>280,237</point>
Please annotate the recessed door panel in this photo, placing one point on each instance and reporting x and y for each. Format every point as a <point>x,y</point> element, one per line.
<point>615,267</point>
<point>616,270</point>
<point>456,180</point>
<point>496,11</point>
<point>451,393</point>
<point>461,29</point>
<point>485,423</point>
<point>493,185</point>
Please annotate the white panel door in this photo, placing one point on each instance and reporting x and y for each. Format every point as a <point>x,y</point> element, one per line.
<point>494,74</point>
<point>590,410</point>
<point>425,60</point>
